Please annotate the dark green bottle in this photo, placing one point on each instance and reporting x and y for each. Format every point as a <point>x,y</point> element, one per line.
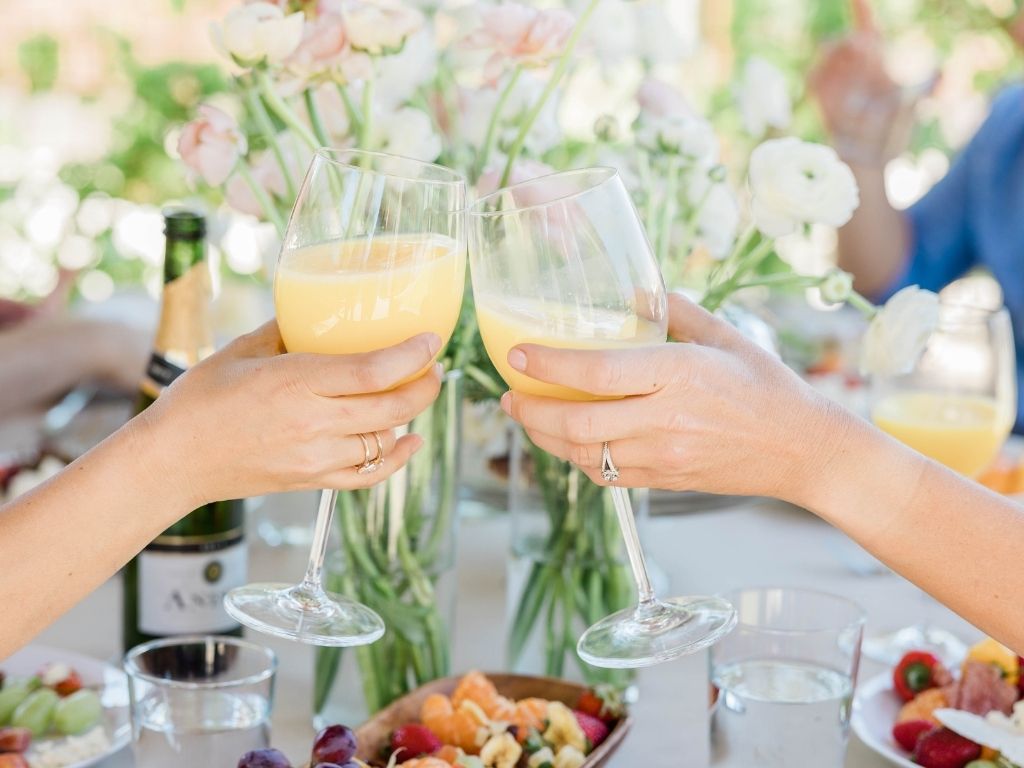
<point>176,585</point>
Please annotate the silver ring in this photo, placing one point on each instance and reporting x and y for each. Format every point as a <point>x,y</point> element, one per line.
<point>609,472</point>
<point>369,464</point>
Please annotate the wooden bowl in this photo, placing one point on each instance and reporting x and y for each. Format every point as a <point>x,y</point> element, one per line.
<point>373,736</point>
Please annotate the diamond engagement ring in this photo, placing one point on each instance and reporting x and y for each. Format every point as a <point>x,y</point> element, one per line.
<point>609,472</point>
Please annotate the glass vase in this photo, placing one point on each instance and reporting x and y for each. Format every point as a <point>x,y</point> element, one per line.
<point>567,568</point>
<point>396,554</point>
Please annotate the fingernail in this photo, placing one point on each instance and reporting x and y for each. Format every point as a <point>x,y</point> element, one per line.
<point>439,370</point>
<point>417,442</point>
<point>506,403</point>
<point>517,359</point>
<point>433,343</point>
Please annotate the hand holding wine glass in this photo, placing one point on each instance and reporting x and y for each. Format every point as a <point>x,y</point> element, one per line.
<point>374,253</point>
<point>563,261</point>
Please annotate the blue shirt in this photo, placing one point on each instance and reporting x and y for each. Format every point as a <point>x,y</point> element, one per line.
<point>974,217</point>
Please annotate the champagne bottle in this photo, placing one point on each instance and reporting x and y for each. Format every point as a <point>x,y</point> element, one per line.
<point>176,585</point>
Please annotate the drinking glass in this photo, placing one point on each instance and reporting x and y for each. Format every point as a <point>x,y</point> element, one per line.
<point>199,700</point>
<point>785,679</point>
<point>374,253</point>
<point>563,260</point>
<point>957,405</point>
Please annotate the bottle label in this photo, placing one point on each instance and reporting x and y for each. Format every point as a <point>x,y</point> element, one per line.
<point>182,585</point>
<point>162,372</point>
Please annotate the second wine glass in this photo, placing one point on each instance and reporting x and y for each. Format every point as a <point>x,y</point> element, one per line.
<point>374,254</point>
<point>563,261</point>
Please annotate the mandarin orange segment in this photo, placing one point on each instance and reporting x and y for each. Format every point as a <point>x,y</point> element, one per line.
<point>529,714</point>
<point>450,754</point>
<point>923,706</point>
<point>425,762</point>
<point>452,726</point>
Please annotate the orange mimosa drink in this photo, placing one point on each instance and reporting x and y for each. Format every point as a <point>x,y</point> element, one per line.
<point>964,432</point>
<point>348,296</point>
<point>504,323</point>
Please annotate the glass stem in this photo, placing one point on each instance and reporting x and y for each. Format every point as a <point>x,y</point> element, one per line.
<point>312,581</point>
<point>627,524</point>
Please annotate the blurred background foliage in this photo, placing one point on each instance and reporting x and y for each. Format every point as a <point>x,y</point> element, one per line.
<point>92,93</point>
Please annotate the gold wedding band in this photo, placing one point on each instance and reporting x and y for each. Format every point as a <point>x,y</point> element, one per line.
<point>371,464</point>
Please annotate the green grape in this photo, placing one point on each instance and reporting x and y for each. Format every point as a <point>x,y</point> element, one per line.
<point>36,712</point>
<point>12,694</point>
<point>78,712</point>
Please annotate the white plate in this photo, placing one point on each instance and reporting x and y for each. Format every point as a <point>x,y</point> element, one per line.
<point>109,681</point>
<point>875,707</point>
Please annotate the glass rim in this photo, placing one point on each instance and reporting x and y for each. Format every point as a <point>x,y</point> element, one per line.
<point>133,670</point>
<point>860,621</point>
<point>455,178</point>
<point>607,173</point>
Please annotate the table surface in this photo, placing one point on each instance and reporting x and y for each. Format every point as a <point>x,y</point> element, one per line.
<point>756,543</point>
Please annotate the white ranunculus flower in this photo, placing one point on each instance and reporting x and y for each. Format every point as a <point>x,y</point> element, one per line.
<point>763,97</point>
<point>259,32</point>
<point>899,331</point>
<point>408,132</point>
<point>688,136</point>
<point>380,26</point>
<point>794,182</point>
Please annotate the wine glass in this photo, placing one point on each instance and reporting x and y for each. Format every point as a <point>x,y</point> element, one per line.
<point>563,260</point>
<point>374,253</point>
<point>957,405</point>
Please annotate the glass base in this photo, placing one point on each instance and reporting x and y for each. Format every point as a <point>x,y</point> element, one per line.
<point>665,630</point>
<point>890,648</point>
<point>305,615</point>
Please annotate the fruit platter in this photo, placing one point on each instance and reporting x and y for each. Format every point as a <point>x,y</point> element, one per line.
<point>924,714</point>
<point>476,721</point>
<point>60,710</point>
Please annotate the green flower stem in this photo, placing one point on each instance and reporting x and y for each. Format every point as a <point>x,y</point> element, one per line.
<point>485,381</point>
<point>492,125</point>
<point>668,211</point>
<point>556,77</point>
<point>354,118</point>
<point>285,113</point>
<point>857,301</point>
<point>366,125</point>
<point>266,126</point>
<point>268,206</point>
<point>314,118</point>
<point>745,264</point>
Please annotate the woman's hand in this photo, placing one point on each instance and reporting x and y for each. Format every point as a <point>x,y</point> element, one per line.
<point>716,414</point>
<point>252,420</point>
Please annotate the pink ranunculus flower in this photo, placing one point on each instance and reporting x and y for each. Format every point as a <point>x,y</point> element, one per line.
<point>267,173</point>
<point>257,33</point>
<point>519,34</point>
<point>659,99</point>
<point>326,52</point>
<point>211,145</point>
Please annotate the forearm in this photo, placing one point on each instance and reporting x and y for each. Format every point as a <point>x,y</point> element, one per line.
<point>953,538</point>
<point>873,245</point>
<point>65,538</point>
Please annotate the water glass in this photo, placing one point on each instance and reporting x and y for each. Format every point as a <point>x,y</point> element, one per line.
<point>199,700</point>
<point>785,679</point>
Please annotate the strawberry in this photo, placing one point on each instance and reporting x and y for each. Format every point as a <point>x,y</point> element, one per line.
<point>941,748</point>
<point>70,684</point>
<point>908,732</point>
<point>602,701</point>
<point>1020,680</point>
<point>594,728</point>
<point>414,740</point>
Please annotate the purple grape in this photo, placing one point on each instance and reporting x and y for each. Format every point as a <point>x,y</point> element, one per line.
<point>334,744</point>
<point>264,758</point>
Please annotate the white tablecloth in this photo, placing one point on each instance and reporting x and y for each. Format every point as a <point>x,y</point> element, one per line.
<point>754,544</point>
